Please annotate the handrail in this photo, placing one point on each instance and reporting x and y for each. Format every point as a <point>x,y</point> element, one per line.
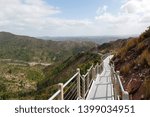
<point>59,91</point>
<point>78,85</point>
<point>91,67</point>
<point>120,83</point>
<point>125,94</point>
<point>118,78</point>
<point>55,95</point>
<point>70,80</point>
<point>86,74</point>
<point>85,79</point>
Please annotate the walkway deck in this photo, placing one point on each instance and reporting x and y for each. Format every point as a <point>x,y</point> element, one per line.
<point>102,87</point>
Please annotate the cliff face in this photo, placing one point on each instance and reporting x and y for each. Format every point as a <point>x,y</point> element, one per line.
<point>133,62</point>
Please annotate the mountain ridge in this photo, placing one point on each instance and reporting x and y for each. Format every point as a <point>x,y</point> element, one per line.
<point>33,49</point>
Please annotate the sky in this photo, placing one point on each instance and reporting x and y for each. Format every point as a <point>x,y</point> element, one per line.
<point>74,17</point>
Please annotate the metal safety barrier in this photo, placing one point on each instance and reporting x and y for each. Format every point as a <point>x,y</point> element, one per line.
<point>78,86</point>
<point>119,92</point>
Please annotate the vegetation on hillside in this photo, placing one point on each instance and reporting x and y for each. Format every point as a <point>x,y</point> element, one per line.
<point>112,46</point>
<point>133,61</point>
<point>21,81</point>
<point>32,49</point>
<point>64,71</point>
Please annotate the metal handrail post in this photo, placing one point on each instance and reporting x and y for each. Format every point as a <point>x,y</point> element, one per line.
<point>83,87</point>
<point>125,95</point>
<point>93,74</point>
<point>78,84</point>
<point>97,68</point>
<point>60,85</point>
<point>88,78</point>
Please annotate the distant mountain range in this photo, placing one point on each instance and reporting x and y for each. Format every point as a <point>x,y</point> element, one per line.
<point>33,49</point>
<point>95,39</point>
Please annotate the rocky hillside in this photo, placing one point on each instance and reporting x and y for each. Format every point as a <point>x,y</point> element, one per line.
<point>32,49</point>
<point>133,62</point>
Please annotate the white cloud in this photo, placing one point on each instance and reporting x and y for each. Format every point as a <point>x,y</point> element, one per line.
<point>145,18</point>
<point>102,10</point>
<point>29,16</point>
<point>133,18</point>
<point>24,13</point>
<point>26,9</point>
<point>36,17</point>
<point>136,6</point>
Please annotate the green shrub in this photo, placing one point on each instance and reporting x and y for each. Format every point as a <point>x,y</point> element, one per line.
<point>34,75</point>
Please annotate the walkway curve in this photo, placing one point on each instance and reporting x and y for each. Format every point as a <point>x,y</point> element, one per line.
<point>102,87</point>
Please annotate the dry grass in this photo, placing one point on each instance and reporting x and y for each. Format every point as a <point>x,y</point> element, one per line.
<point>144,58</point>
<point>122,52</point>
<point>130,44</point>
<point>147,87</point>
<point>140,46</point>
<point>125,69</point>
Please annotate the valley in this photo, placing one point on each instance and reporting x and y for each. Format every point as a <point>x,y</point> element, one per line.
<point>31,68</point>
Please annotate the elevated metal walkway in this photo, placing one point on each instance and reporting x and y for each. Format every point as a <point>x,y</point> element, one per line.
<point>102,87</point>
<point>101,82</point>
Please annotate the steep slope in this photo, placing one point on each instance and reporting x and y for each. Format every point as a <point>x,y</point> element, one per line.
<point>112,46</point>
<point>133,62</point>
<point>32,49</point>
<point>40,82</point>
<point>64,71</point>
<point>19,80</point>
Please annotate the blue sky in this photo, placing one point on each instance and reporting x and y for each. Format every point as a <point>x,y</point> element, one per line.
<point>82,9</point>
<point>74,17</point>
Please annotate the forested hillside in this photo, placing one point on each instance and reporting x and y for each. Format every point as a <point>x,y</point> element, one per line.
<point>32,49</point>
<point>24,73</point>
<point>39,82</point>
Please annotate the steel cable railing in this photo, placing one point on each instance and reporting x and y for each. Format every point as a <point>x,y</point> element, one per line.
<point>70,92</point>
<point>78,86</point>
<point>65,91</point>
